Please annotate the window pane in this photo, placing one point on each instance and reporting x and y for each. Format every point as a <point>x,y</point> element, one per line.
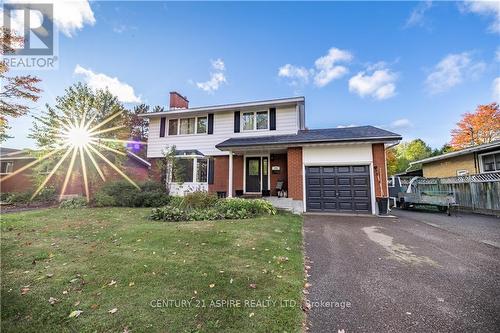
<point>201,170</point>
<point>183,171</point>
<point>253,168</point>
<point>187,126</point>
<point>6,167</point>
<point>248,121</point>
<point>202,125</point>
<point>172,127</point>
<point>489,163</point>
<point>262,120</point>
<point>497,161</point>
<point>264,166</point>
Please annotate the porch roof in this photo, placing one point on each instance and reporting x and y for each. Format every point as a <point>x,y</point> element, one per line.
<point>329,135</point>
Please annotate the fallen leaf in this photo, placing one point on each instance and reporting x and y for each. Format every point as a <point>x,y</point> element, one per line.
<point>212,285</point>
<point>131,284</point>
<point>73,280</point>
<point>65,292</point>
<point>53,300</point>
<point>94,306</point>
<point>252,285</point>
<point>251,315</point>
<point>113,310</point>
<point>231,281</point>
<point>75,314</point>
<point>49,275</point>
<point>76,303</point>
<point>24,290</point>
<point>113,282</point>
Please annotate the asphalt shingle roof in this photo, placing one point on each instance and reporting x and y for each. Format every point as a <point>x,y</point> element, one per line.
<point>346,134</point>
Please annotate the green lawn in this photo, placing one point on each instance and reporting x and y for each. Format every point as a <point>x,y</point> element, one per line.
<point>96,260</point>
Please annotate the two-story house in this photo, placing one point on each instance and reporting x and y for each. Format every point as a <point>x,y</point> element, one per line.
<point>247,148</point>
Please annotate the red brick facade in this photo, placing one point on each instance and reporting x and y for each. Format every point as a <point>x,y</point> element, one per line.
<point>221,174</point>
<point>380,170</point>
<point>295,176</point>
<point>22,182</point>
<point>280,161</point>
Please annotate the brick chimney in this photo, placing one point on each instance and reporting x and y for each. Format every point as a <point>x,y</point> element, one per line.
<point>177,101</point>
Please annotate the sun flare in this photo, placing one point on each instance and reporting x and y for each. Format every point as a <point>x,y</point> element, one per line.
<point>84,140</point>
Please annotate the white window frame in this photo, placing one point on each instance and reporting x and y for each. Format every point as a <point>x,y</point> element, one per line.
<point>481,165</point>
<point>254,121</point>
<point>195,170</point>
<point>11,163</point>
<point>179,126</point>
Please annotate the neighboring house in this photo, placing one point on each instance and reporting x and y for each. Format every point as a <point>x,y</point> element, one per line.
<point>469,161</point>
<point>247,148</point>
<point>12,160</point>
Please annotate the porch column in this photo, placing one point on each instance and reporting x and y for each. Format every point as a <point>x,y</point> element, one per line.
<point>230,172</point>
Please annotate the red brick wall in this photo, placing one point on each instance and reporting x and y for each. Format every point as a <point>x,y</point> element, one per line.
<point>380,169</point>
<point>19,183</point>
<point>294,166</point>
<point>281,161</point>
<point>221,174</point>
<point>237,173</point>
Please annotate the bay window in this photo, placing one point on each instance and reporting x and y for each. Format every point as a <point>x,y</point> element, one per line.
<point>190,170</point>
<point>6,167</point>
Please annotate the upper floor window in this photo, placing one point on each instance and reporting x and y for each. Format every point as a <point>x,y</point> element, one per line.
<point>172,126</point>
<point>185,126</point>
<point>6,167</point>
<point>258,120</point>
<point>201,125</point>
<point>490,162</point>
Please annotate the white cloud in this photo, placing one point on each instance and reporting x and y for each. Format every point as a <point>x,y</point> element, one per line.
<point>295,73</point>
<point>401,123</point>
<point>418,13</point>
<point>484,8</point>
<point>496,89</point>
<point>124,92</point>
<point>453,70</point>
<point>218,64</point>
<point>379,85</point>
<point>325,70</point>
<point>347,126</point>
<point>216,78</point>
<point>68,15</point>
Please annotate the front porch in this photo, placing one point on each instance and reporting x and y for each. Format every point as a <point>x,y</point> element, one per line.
<point>257,174</point>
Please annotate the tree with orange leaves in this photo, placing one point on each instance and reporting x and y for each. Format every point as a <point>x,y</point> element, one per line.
<point>15,90</point>
<point>481,126</point>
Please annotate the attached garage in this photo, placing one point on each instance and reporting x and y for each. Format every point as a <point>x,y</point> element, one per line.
<point>338,188</point>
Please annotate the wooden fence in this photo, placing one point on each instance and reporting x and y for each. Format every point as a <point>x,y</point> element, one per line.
<point>479,193</point>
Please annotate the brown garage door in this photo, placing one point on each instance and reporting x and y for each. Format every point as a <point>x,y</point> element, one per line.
<point>338,189</point>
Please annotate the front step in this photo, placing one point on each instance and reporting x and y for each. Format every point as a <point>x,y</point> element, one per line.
<point>288,204</point>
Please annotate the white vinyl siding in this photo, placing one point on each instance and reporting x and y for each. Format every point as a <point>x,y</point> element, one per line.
<point>286,123</point>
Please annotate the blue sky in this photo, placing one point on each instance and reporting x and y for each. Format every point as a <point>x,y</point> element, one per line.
<point>410,67</point>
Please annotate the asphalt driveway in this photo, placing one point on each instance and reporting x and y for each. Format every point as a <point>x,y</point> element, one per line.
<point>412,273</point>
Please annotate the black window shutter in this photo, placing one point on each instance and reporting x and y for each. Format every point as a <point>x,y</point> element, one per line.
<point>236,121</point>
<point>272,119</point>
<point>210,123</point>
<point>211,165</point>
<point>162,127</point>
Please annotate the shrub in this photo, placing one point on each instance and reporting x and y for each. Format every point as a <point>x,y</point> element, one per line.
<point>151,199</point>
<point>4,196</point>
<point>122,191</point>
<point>19,197</point>
<point>76,202</point>
<point>152,186</point>
<point>221,209</point>
<point>102,199</point>
<point>237,208</point>
<point>176,201</point>
<point>199,200</point>
<point>48,194</point>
